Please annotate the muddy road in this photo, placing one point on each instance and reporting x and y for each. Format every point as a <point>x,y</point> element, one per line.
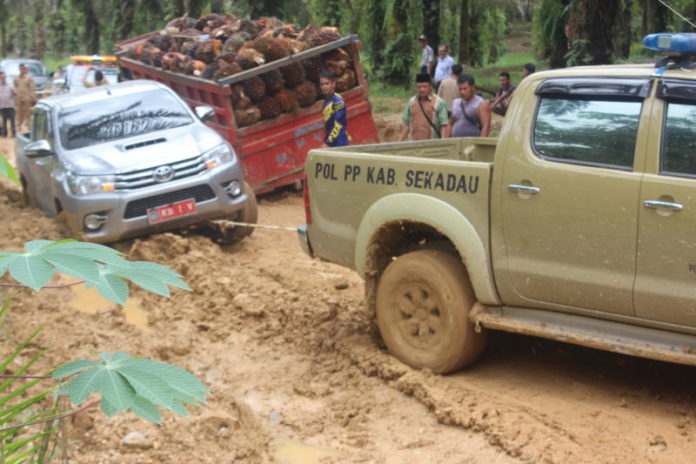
<point>297,374</point>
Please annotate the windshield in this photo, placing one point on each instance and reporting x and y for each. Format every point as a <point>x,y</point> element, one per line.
<point>76,73</point>
<point>35,69</point>
<point>120,117</point>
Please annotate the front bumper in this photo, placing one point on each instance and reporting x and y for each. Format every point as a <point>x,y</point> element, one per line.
<point>304,240</point>
<point>125,210</point>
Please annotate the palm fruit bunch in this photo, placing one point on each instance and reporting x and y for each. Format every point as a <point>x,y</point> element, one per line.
<point>216,46</point>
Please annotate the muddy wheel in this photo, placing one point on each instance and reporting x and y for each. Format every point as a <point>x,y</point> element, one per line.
<point>423,303</point>
<point>249,215</point>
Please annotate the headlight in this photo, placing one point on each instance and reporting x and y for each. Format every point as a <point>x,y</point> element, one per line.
<point>85,185</point>
<point>223,153</point>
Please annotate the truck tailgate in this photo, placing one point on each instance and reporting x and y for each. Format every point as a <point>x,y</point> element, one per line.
<point>344,184</point>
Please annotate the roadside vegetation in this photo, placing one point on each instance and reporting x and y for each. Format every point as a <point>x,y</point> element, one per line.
<point>33,406</point>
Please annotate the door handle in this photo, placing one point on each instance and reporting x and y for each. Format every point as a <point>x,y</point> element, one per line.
<point>524,189</point>
<point>654,204</point>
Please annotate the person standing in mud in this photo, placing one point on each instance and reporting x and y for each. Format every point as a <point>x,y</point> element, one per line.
<point>334,111</point>
<point>24,88</point>
<point>7,106</point>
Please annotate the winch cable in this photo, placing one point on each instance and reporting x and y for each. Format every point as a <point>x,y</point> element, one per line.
<point>228,223</point>
<point>669,7</point>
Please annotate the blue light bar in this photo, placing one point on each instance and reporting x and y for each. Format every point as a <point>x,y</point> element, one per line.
<point>671,44</point>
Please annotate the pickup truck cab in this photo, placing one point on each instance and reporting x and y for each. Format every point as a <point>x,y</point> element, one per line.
<point>130,159</point>
<point>576,224</point>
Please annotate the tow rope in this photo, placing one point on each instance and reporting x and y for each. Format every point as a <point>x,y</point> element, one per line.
<point>228,223</point>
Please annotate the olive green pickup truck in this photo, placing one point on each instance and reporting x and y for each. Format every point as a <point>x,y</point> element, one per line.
<point>577,224</point>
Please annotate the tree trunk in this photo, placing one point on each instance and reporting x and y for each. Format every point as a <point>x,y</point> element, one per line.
<point>39,45</point>
<point>376,39</point>
<point>58,29</point>
<point>661,16</point>
<point>178,8</point>
<point>623,33</point>
<point>92,29</point>
<point>464,33</point>
<point>125,20</point>
<point>647,4</point>
<point>593,23</point>
<point>217,6</point>
<point>195,8</point>
<point>21,32</point>
<point>431,22</point>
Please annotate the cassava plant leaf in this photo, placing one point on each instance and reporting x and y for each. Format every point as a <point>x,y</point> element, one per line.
<point>135,384</point>
<point>6,170</point>
<point>74,367</point>
<point>98,265</point>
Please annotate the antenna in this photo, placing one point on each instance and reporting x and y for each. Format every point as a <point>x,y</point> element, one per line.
<point>669,7</point>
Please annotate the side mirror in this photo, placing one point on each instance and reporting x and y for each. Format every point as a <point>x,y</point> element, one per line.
<point>204,112</point>
<point>59,82</point>
<point>38,149</point>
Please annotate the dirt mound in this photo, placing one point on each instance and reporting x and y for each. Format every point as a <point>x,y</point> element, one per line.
<point>388,127</point>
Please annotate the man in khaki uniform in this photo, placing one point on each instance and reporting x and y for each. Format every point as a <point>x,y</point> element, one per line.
<point>24,87</point>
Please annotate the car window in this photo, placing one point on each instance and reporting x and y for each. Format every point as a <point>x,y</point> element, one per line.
<point>121,116</point>
<point>76,73</point>
<point>39,127</point>
<point>679,140</point>
<point>598,132</point>
<point>35,69</point>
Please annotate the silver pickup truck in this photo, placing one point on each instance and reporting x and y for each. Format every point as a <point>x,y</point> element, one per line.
<point>131,159</point>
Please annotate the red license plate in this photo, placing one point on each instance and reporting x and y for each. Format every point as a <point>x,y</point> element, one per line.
<point>171,211</point>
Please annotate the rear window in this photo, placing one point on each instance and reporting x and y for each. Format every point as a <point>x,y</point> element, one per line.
<point>76,73</point>
<point>120,117</point>
<point>597,132</point>
<point>34,69</point>
<point>679,140</point>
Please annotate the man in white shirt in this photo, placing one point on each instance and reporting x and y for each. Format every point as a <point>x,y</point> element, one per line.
<point>427,56</point>
<point>444,65</point>
<point>7,107</point>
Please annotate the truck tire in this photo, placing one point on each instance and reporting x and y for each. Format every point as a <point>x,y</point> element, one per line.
<point>249,215</point>
<point>423,303</point>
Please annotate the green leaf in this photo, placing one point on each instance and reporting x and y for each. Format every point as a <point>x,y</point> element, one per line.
<point>73,367</point>
<point>76,266</point>
<point>86,383</point>
<point>180,380</point>
<point>107,408</point>
<point>145,409</point>
<point>112,288</point>
<point>6,170</point>
<point>148,386</point>
<point>180,409</point>
<point>34,246</point>
<point>31,271</point>
<point>148,282</point>
<point>116,390</point>
<point>163,273</point>
<point>5,261</point>
<point>92,251</point>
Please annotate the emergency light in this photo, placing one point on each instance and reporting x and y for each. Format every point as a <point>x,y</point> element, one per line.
<point>672,44</point>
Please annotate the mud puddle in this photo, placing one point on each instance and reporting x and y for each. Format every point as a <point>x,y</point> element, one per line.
<point>288,451</point>
<point>88,300</point>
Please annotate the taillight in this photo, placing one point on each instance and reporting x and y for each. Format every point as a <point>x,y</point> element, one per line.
<point>307,205</point>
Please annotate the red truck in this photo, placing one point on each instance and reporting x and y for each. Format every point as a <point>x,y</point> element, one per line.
<point>273,151</point>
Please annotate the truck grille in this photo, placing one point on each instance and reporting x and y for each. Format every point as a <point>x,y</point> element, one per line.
<point>144,177</point>
<point>138,208</point>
